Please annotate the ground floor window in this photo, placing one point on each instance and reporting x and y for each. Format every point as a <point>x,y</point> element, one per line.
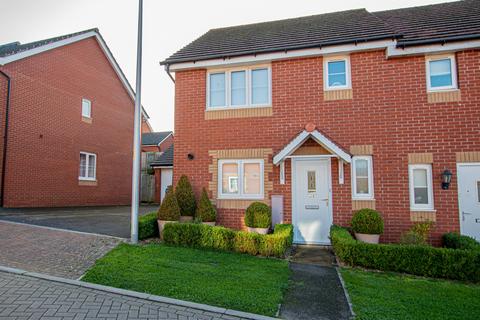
<point>240,179</point>
<point>421,190</point>
<point>88,166</point>
<point>362,177</point>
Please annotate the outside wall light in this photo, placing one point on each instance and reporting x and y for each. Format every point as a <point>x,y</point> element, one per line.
<point>446,179</point>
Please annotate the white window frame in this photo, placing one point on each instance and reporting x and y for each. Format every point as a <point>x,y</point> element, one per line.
<point>87,158</point>
<point>248,87</point>
<point>241,194</point>
<point>413,205</point>
<point>362,196</point>
<point>89,108</point>
<point>348,83</point>
<point>453,71</point>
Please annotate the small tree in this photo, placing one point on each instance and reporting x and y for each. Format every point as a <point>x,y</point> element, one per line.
<point>205,210</point>
<point>185,197</point>
<point>169,209</point>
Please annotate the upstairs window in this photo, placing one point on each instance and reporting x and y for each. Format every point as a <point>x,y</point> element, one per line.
<point>240,179</point>
<point>88,166</point>
<point>362,177</point>
<point>86,108</point>
<point>337,73</point>
<point>421,190</point>
<point>441,73</point>
<point>244,87</point>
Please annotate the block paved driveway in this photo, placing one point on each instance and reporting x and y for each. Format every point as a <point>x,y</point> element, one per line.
<point>24,297</point>
<point>58,253</point>
<point>113,221</point>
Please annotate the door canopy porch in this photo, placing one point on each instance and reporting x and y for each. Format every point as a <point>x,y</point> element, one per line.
<point>310,132</point>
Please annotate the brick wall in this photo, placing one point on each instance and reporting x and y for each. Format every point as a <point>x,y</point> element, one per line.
<point>47,133</point>
<point>389,111</point>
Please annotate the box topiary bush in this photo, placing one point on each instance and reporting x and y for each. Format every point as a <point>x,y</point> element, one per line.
<point>185,197</point>
<point>169,209</point>
<point>367,221</point>
<point>258,215</point>
<point>206,212</point>
<point>454,240</point>
<point>148,226</point>
<point>418,260</point>
<point>220,238</point>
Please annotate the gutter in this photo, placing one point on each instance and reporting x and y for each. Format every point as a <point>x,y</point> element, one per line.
<point>167,69</point>
<point>5,138</point>
<point>437,40</point>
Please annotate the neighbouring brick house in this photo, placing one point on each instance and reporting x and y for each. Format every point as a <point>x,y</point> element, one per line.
<point>323,115</point>
<point>157,155</point>
<point>69,129</point>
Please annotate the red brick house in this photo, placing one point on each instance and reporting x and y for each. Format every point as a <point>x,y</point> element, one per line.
<point>323,115</point>
<point>69,129</point>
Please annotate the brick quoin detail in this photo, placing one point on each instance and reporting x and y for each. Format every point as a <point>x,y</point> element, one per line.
<point>389,110</point>
<point>46,132</point>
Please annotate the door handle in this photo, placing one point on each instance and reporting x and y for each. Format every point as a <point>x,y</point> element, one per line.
<point>465,213</point>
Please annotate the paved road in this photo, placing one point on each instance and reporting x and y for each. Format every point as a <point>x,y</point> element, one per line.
<point>54,252</point>
<point>24,297</point>
<point>113,221</point>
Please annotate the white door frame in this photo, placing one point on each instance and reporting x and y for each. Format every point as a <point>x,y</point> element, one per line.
<point>462,164</point>
<point>294,160</point>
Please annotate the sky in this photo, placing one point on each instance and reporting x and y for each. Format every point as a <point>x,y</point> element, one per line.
<point>168,26</point>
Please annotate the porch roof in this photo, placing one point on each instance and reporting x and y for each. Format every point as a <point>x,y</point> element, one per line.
<point>321,139</point>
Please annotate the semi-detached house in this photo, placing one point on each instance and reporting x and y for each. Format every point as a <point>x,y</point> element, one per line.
<point>322,115</point>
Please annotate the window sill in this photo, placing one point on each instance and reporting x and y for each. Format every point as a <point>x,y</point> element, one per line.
<point>441,96</point>
<point>85,182</point>
<point>87,119</point>
<point>422,210</point>
<point>236,112</point>
<point>337,94</point>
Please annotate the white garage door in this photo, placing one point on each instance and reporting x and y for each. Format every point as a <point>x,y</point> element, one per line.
<point>469,199</point>
<point>166,180</point>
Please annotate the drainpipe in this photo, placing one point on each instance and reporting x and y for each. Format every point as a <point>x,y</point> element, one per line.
<point>167,69</point>
<point>5,138</point>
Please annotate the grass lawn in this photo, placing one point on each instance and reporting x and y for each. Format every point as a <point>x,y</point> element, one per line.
<point>223,279</point>
<point>392,296</point>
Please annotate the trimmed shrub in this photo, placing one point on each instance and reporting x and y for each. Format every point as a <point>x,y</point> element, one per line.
<point>418,260</point>
<point>454,240</point>
<point>367,221</point>
<point>147,226</point>
<point>169,209</point>
<point>258,215</point>
<point>185,197</point>
<point>206,211</point>
<point>220,238</point>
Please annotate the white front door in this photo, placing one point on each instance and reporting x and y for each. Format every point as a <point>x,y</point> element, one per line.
<point>469,199</point>
<point>166,181</point>
<point>311,205</point>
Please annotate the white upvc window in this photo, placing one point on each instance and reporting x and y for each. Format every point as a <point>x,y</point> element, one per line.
<point>240,179</point>
<point>86,108</point>
<point>336,72</point>
<point>88,166</point>
<point>362,177</point>
<point>441,73</point>
<point>421,187</point>
<point>239,87</point>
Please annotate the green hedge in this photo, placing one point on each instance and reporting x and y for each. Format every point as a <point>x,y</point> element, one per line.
<point>456,241</point>
<point>220,238</point>
<point>418,260</point>
<point>148,226</point>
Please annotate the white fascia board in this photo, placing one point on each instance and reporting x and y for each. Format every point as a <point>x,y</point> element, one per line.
<point>291,147</point>
<point>57,44</point>
<point>393,51</point>
<point>282,55</point>
<point>170,134</point>
<point>330,146</point>
<point>319,138</point>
